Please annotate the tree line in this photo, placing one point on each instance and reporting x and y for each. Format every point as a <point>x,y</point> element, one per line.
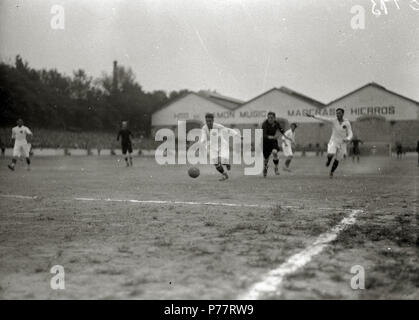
<point>52,100</point>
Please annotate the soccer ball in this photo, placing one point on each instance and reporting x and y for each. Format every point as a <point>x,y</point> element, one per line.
<point>193,172</point>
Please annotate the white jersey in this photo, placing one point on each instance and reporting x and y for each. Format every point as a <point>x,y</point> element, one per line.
<point>220,149</point>
<point>286,144</point>
<point>19,134</point>
<point>340,130</point>
<point>289,134</point>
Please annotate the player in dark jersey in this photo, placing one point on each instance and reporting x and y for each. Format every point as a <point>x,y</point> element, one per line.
<point>2,147</point>
<point>270,129</point>
<point>399,150</point>
<point>355,148</point>
<point>417,150</point>
<point>126,144</point>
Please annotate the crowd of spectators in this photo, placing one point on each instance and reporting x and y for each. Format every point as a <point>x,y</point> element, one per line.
<point>56,139</point>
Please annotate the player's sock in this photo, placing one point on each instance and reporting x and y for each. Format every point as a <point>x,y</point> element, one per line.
<point>329,159</point>
<point>276,162</point>
<point>12,165</point>
<point>130,161</point>
<point>224,177</point>
<point>265,167</point>
<point>219,168</point>
<point>334,166</point>
<point>126,161</point>
<point>28,161</point>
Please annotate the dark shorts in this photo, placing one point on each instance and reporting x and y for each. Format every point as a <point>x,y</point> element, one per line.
<point>268,146</point>
<point>126,147</point>
<point>356,152</point>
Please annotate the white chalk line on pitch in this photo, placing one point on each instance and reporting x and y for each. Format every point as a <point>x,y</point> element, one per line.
<point>17,196</point>
<point>194,203</point>
<point>170,202</point>
<point>270,283</point>
<point>176,202</point>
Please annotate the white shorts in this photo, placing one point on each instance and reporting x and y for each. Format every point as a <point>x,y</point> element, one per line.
<point>338,149</point>
<point>21,149</point>
<point>287,149</point>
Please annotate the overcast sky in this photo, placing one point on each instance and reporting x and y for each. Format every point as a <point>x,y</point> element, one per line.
<point>240,48</point>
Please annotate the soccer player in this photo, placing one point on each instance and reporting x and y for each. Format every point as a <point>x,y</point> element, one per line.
<point>218,151</point>
<point>287,145</point>
<point>270,128</point>
<point>417,150</point>
<point>126,144</point>
<point>2,147</point>
<point>341,135</point>
<point>355,148</point>
<point>21,146</point>
<point>399,150</point>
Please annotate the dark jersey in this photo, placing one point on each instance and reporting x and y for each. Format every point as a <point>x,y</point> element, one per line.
<point>125,136</point>
<point>355,143</point>
<point>270,129</point>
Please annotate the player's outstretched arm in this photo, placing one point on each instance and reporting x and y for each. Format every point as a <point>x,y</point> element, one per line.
<point>230,131</point>
<point>319,117</point>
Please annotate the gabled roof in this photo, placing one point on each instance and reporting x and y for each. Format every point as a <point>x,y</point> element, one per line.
<point>301,96</point>
<point>292,93</point>
<point>217,99</point>
<point>375,85</point>
<point>228,102</point>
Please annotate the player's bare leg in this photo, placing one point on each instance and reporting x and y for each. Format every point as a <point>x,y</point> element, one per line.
<point>287,164</point>
<point>13,164</point>
<point>130,159</point>
<point>275,161</point>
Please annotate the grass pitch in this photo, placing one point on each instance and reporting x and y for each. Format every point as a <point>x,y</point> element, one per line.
<point>182,248</point>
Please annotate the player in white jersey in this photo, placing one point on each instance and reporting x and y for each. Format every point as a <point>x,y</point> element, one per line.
<point>218,151</point>
<point>341,135</point>
<point>287,145</point>
<point>21,147</point>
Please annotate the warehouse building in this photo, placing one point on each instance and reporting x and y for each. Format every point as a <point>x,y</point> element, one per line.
<point>378,115</point>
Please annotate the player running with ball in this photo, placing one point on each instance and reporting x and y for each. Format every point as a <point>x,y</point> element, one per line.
<point>341,135</point>
<point>219,152</point>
